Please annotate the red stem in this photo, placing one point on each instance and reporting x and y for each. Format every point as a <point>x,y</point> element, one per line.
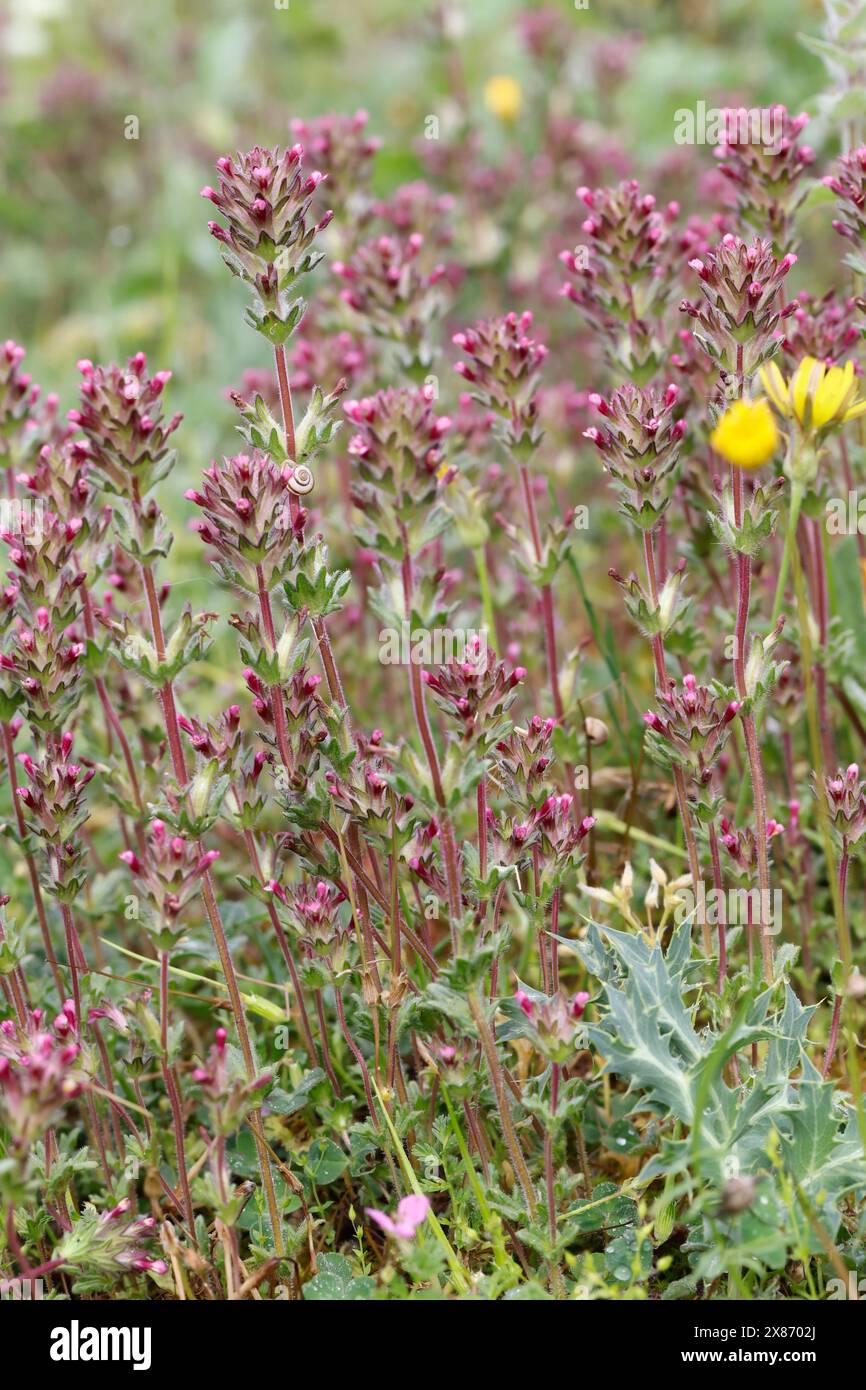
<point>357,1054</point>
<point>837,1002</point>
<point>744,579</point>
<point>29,861</point>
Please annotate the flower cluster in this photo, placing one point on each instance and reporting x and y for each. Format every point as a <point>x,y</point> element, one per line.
<point>44,573</point>
<point>691,728</point>
<point>169,872</point>
<point>230,1097</point>
<point>501,365</point>
<point>386,284</point>
<point>55,809</point>
<point>846,800</point>
<point>321,930</point>
<point>620,284</point>
<point>27,418</point>
<point>317,355</point>
<point>397,446</point>
<point>741,845</point>
<point>640,444</point>
<point>825,328</point>
<point>40,1072</point>
<point>557,831</point>
<point>526,756</point>
<point>767,177</point>
<point>476,691</point>
<point>343,149</point>
<point>248,520</point>
<point>121,416</point>
<point>742,307</point>
<point>265,198</point>
<point>849,185</point>
<point>554,1022</point>
<point>105,1242</point>
<point>357,826</point>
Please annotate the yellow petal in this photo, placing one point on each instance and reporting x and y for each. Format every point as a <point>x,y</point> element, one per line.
<point>746,434</point>
<point>855,411</point>
<point>831,393</point>
<point>776,387</point>
<point>503,96</point>
<point>807,379</point>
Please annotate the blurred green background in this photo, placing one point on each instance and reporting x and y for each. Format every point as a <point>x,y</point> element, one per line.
<point>104,242</point>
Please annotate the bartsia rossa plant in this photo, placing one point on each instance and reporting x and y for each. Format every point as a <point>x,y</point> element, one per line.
<point>460,901</point>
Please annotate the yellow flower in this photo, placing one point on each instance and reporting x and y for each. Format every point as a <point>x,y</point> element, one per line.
<point>746,434</point>
<point>503,96</point>
<point>817,396</point>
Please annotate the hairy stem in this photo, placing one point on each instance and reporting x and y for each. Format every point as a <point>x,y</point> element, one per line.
<point>509,1133</point>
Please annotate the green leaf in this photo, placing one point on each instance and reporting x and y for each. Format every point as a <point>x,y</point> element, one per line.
<point>335,1282</point>
<point>325,1162</point>
<point>288,1102</point>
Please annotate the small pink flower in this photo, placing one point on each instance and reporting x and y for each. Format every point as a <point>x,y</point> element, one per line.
<point>411,1212</point>
<point>579,1003</point>
<point>524,1001</point>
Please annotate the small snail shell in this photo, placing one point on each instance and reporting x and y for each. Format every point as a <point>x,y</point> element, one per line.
<point>302,480</point>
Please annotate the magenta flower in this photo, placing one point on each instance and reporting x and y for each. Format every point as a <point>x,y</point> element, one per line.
<point>411,1212</point>
<point>579,1003</point>
<point>525,1002</point>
